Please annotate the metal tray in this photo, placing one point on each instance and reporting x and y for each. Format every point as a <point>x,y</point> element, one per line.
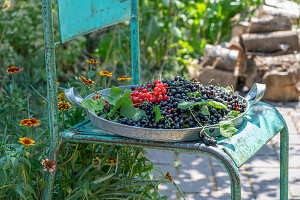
<point>166,135</point>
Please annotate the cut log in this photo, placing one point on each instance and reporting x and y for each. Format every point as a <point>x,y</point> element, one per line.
<point>289,6</point>
<point>281,86</point>
<point>220,57</point>
<point>290,13</point>
<point>239,29</point>
<point>209,75</point>
<point>279,73</point>
<point>271,41</point>
<point>269,24</point>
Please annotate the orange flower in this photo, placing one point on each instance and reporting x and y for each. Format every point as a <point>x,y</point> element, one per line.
<point>92,61</point>
<point>26,141</point>
<point>123,78</point>
<point>105,73</point>
<point>169,177</point>
<point>29,122</point>
<point>112,160</point>
<point>61,96</point>
<point>86,81</point>
<point>63,105</point>
<point>13,69</point>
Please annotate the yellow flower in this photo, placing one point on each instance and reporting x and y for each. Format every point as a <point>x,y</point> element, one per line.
<point>112,160</point>
<point>26,141</point>
<point>61,96</point>
<point>63,105</point>
<point>105,73</point>
<point>44,101</point>
<point>86,81</point>
<point>29,122</point>
<point>92,61</point>
<point>13,69</point>
<point>57,83</point>
<point>97,161</point>
<point>123,78</point>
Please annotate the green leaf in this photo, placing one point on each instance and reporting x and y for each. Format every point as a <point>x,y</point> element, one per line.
<point>157,113</point>
<point>227,128</point>
<point>204,110</point>
<point>127,109</point>
<point>185,104</point>
<point>139,114</point>
<point>126,93</point>
<point>198,95</point>
<point>233,113</point>
<point>114,95</point>
<point>216,104</point>
<point>188,94</point>
<point>94,106</point>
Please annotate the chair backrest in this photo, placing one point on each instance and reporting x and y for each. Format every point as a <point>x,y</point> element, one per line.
<point>78,17</point>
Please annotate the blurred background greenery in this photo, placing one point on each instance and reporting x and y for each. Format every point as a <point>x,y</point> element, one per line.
<point>171,32</point>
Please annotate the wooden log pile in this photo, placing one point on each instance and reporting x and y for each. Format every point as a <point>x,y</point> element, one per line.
<point>262,50</point>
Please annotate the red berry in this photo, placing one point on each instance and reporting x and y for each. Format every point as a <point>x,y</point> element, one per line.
<point>144,90</point>
<point>236,107</point>
<point>151,99</point>
<point>135,99</point>
<point>149,85</point>
<point>165,85</point>
<point>156,93</point>
<point>165,97</point>
<point>164,91</point>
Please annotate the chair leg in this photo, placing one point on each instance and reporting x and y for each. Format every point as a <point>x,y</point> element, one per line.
<point>284,163</point>
<point>235,182</point>
<point>232,171</point>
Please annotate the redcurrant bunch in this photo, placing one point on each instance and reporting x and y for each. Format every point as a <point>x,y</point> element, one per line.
<point>141,94</point>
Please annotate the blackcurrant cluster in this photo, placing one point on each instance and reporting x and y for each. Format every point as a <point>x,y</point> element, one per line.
<point>208,140</point>
<point>168,93</point>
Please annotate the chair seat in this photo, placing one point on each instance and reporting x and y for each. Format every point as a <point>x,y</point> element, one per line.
<point>261,124</point>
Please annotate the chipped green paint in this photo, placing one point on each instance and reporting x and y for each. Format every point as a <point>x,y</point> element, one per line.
<point>78,17</point>
<point>261,124</point>
<point>135,50</point>
<point>51,90</point>
<point>284,163</point>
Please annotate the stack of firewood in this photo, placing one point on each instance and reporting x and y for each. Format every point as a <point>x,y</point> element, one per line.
<point>262,50</point>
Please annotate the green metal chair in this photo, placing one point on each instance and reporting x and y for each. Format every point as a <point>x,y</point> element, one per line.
<point>77,17</point>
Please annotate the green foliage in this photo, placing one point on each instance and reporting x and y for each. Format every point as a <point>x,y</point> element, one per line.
<point>157,113</point>
<point>187,104</point>
<point>84,171</point>
<point>94,106</point>
<point>227,128</point>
